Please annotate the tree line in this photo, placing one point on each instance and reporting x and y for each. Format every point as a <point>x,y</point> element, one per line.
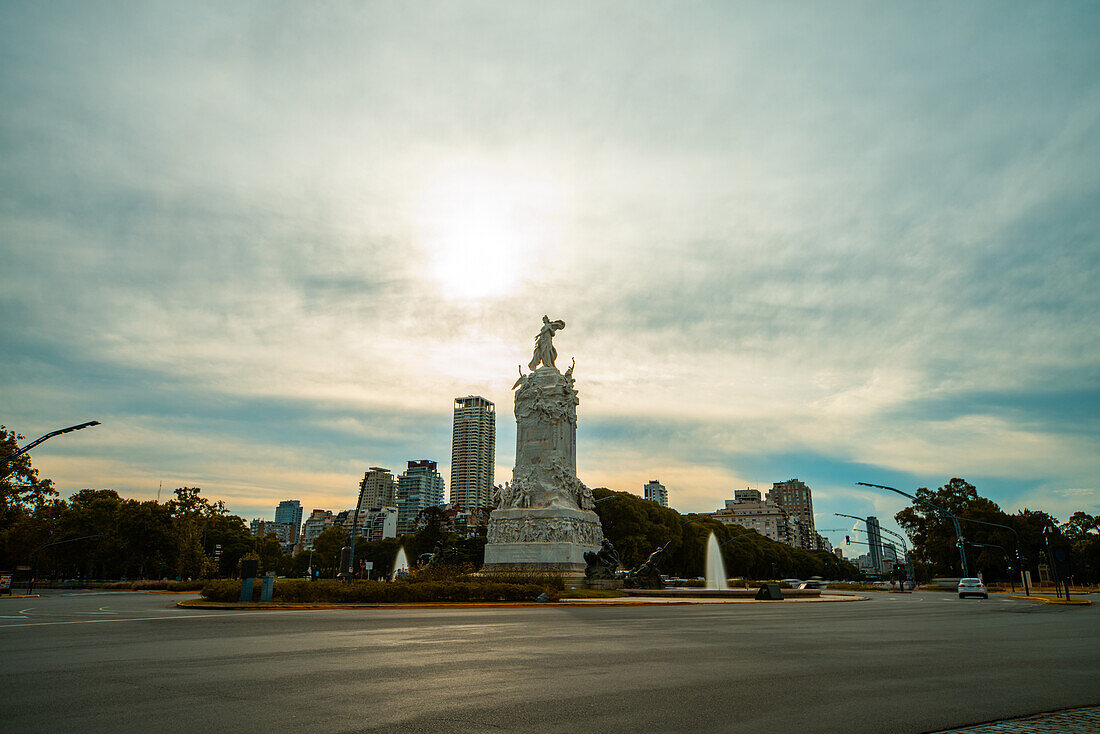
<point>993,550</point>
<point>98,534</point>
<point>636,527</point>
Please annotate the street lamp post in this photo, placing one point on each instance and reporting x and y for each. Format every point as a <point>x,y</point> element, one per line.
<point>47,437</point>
<point>958,529</point>
<point>354,534</point>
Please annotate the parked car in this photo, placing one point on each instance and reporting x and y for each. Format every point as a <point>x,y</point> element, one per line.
<point>972,587</point>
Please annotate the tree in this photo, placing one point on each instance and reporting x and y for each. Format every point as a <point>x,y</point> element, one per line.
<point>637,526</point>
<point>271,555</point>
<point>431,532</point>
<point>1082,531</point>
<point>934,538</point>
<point>381,554</point>
<point>21,489</point>
<point>232,534</point>
<point>327,545</point>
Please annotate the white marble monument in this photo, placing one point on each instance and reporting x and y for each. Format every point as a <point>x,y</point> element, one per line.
<point>544,519</point>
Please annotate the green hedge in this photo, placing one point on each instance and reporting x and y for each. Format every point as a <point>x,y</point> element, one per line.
<point>396,592</point>
<point>157,585</point>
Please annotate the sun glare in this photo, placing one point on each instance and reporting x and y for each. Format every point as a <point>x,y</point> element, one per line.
<point>480,230</point>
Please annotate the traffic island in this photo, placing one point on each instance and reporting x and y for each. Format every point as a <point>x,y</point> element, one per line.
<point>563,602</point>
<point>1054,600</point>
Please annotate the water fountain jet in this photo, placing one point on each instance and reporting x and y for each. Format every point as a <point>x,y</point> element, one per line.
<point>716,567</point>
<point>400,564</point>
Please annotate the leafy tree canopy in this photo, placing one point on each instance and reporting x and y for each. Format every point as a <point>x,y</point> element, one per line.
<point>21,489</point>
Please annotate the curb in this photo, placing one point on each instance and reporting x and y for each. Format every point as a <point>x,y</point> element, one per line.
<point>290,606</point>
<point>24,596</point>
<point>1055,600</point>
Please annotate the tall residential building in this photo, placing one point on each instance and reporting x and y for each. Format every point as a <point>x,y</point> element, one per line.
<point>284,531</point>
<point>794,497</point>
<point>318,522</point>
<point>419,488</point>
<point>378,489</point>
<point>473,452</point>
<point>748,511</point>
<point>656,492</point>
<point>290,512</point>
<point>874,542</point>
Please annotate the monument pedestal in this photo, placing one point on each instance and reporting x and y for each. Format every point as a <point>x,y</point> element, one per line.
<point>541,539</point>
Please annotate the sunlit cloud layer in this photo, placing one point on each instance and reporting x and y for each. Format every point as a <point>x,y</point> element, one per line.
<point>267,246</point>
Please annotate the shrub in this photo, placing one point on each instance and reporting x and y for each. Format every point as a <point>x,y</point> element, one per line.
<point>373,592</point>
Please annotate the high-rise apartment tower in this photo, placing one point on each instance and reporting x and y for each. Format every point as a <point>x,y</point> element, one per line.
<point>378,489</point>
<point>290,512</point>
<point>794,497</point>
<point>419,488</point>
<point>473,453</point>
<point>656,492</point>
<point>874,542</point>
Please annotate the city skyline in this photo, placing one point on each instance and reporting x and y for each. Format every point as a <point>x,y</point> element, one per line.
<point>815,242</point>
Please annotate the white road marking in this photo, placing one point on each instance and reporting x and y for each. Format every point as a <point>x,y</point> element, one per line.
<point>132,619</point>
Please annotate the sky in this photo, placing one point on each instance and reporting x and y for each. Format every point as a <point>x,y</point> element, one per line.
<point>267,244</point>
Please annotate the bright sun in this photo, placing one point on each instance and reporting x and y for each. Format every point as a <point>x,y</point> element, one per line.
<point>480,229</point>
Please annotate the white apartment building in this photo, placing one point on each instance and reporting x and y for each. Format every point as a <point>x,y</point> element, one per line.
<point>656,492</point>
<point>751,513</point>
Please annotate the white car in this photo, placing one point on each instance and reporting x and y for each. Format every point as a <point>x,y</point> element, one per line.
<point>972,587</point>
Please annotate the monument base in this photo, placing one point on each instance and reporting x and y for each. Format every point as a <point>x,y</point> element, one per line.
<point>543,539</point>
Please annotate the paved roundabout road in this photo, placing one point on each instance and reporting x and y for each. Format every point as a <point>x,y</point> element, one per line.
<point>102,661</point>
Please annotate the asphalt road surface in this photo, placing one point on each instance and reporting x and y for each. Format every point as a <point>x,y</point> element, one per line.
<point>125,661</point>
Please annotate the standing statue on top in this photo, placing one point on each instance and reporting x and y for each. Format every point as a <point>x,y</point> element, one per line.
<point>544,344</point>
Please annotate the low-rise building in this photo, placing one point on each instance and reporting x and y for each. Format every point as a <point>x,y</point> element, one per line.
<point>375,523</point>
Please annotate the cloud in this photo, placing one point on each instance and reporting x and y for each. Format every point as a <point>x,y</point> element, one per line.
<point>869,238</point>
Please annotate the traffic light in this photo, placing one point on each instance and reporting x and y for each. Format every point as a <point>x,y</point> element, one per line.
<point>847,540</point>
